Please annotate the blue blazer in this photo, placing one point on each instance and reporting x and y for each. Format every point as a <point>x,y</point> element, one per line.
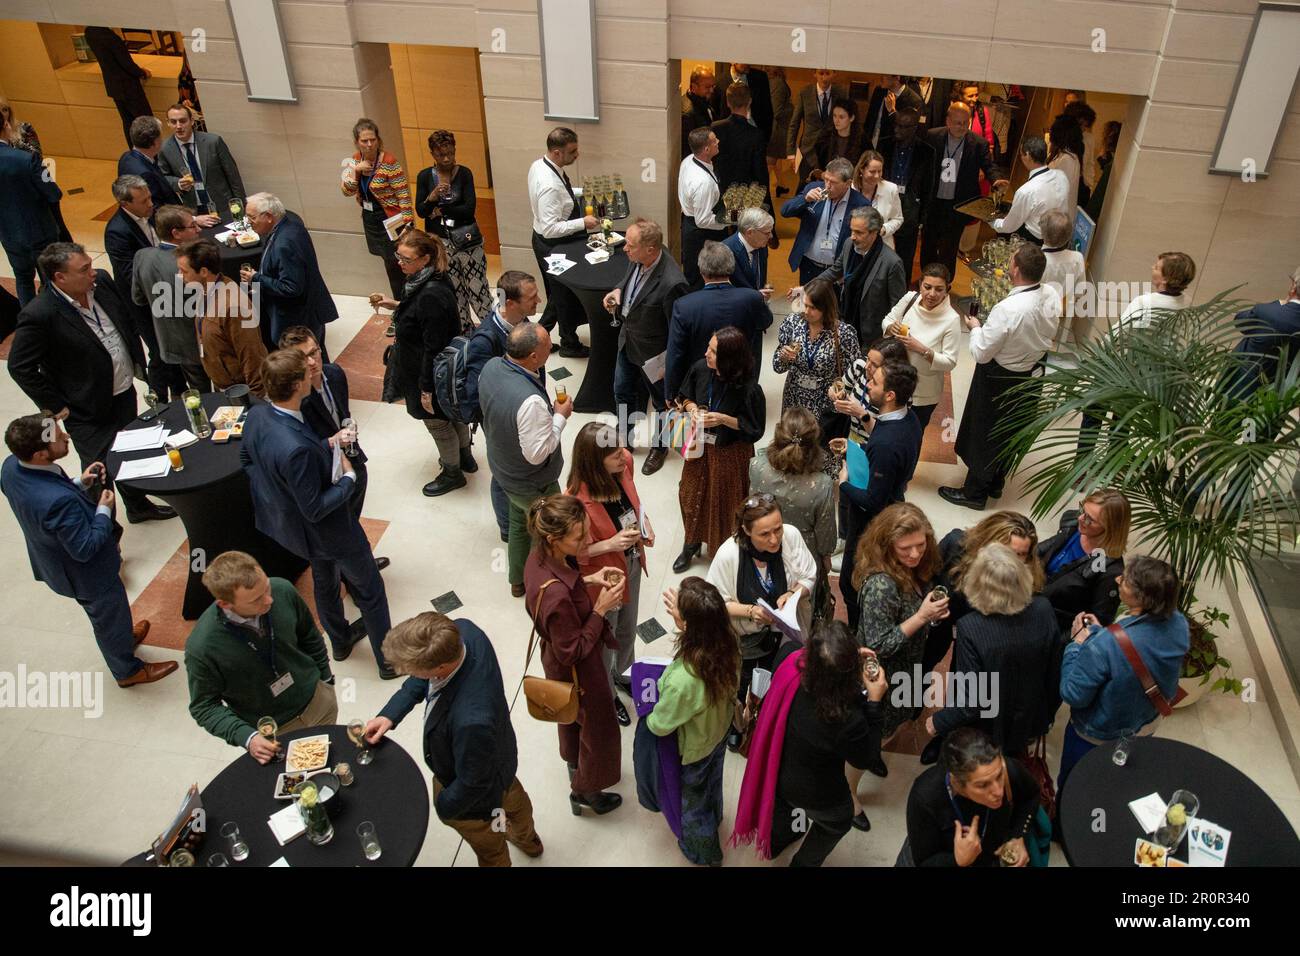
<point>122,240</point>
<point>810,217</point>
<point>294,503</point>
<point>744,276</point>
<point>317,415</point>
<point>135,163</point>
<point>30,198</point>
<point>71,547</point>
<point>697,315</point>
<point>292,287</point>
<point>1266,330</point>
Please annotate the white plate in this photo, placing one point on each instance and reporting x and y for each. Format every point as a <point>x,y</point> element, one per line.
<point>284,793</point>
<point>289,766</point>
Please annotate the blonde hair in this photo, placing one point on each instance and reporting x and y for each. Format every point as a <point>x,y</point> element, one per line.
<point>998,582</point>
<point>230,571</point>
<point>1000,527</point>
<point>422,643</point>
<point>1116,516</point>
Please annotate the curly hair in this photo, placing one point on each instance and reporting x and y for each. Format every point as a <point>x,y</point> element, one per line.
<point>876,548</point>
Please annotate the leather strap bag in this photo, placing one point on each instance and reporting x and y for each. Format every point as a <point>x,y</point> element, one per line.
<point>554,701</point>
<point>1149,686</point>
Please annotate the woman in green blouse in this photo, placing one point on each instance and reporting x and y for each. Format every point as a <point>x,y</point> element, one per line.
<point>697,695</point>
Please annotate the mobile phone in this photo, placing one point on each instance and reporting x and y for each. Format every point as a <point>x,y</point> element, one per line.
<point>973,309</point>
<point>103,482</point>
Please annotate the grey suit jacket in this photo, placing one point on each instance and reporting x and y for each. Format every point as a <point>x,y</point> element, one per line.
<point>884,285</point>
<point>220,174</point>
<point>644,333</point>
<point>177,340</point>
<point>806,111</point>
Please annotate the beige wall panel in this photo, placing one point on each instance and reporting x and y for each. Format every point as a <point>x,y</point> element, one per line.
<point>1208,37</point>
<point>521,31</point>
<point>443,23</point>
<point>1195,83</point>
<point>330,67</point>
<point>25,71</point>
<point>1128,26</point>
<point>212,16</point>
<point>866,51</point>
<point>1288,140</point>
<point>315,22</point>
<point>220,61</point>
<point>967,18</point>
<point>229,112</point>
<point>513,76</point>
<point>35,10</point>
<point>1256,238</point>
<point>154,14</point>
<point>1220,6</point>
<point>53,124</point>
<point>521,258</point>
<point>640,40</point>
<point>633,9</point>
<point>631,84</point>
<point>100,131</point>
<point>1039,65</point>
<point>1182,127</point>
<point>756,42</point>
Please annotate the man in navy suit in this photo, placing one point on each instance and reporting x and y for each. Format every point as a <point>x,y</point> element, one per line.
<point>1268,330</point>
<point>823,210</point>
<point>142,160</point>
<point>70,541</point>
<point>129,230</point>
<point>326,408</point>
<point>121,75</point>
<point>75,352</point>
<point>27,221</point>
<point>749,245</point>
<point>289,280</point>
<point>297,502</point>
<point>697,315</point>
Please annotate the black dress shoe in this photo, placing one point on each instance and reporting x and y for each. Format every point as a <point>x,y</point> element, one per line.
<point>734,739</point>
<point>958,496</point>
<point>685,558</point>
<point>930,754</point>
<point>449,480</point>
<point>654,461</point>
<point>151,513</point>
<point>878,767</point>
<point>996,494</point>
<point>505,539</point>
<point>860,822</point>
<point>467,463</point>
<point>382,563</point>
<point>599,801</point>
<point>620,713</point>
<point>387,673</point>
<point>356,633</point>
<point>574,351</point>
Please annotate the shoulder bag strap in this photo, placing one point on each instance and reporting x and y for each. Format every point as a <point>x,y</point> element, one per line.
<point>910,303</point>
<point>1149,686</point>
<point>533,635</point>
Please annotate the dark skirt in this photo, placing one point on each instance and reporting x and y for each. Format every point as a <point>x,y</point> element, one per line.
<point>377,241</point>
<point>987,404</point>
<point>711,489</point>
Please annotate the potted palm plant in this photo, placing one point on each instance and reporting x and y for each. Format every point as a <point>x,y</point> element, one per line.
<point>1204,450</point>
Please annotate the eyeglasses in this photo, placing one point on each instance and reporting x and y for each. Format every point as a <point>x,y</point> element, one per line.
<point>754,501</point>
<point>404,260</point>
<point>1088,520</point>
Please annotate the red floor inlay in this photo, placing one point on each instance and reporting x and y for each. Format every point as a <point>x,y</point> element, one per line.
<point>933,446</point>
<point>363,359</point>
<point>106,215</point>
<point>160,601</point>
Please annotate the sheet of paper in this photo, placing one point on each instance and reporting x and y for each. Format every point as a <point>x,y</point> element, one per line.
<point>144,468</point>
<point>787,619</point>
<point>286,824</point>
<point>138,439</point>
<point>180,439</point>
<point>1149,810</point>
<point>655,367</point>
<point>281,862</point>
<point>336,471</point>
<point>760,682</point>
<point>561,266</point>
<point>393,225</point>
<point>597,256</point>
<point>221,237</point>
<point>644,522</point>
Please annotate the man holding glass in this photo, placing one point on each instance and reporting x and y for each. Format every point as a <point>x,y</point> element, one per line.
<point>256,652</point>
<point>198,165</point>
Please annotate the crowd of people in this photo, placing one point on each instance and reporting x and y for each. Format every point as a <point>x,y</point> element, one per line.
<point>805,697</point>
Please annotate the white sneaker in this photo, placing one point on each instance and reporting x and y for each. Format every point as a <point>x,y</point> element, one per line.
<point>839,546</point>
<point>836,561</point>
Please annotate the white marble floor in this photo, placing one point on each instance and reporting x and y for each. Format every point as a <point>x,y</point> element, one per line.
<point>140,755</point>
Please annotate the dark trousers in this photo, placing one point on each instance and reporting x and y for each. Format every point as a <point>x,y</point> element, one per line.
<point>905,245</point>
<point>809,270</point>
<point>196,376</point>
<point>129,107</point>
<point>562,306</point>
<point>367,589</point>
<point>822,830</point>
<point>93,440</point>
<point>23,262</point>
<point>942,234</point>
<point>167,380</point>
<point>631,392</point>
<point>110,619</point>
<point>500,507</point>
<point>924,413</point>
<point>748,665</point>
<point>378,244</point>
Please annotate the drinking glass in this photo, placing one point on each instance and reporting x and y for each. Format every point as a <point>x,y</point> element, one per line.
<point>1122,747</point>
<point>180,857</point>
<point>218,859</point>
<point>344,773</point>
<point>151,399</point>
<point>1170,832</point>
<point>357,733</point>
<point>174,456</point>
<point>350,441</point>
<point>267,727</point>
<point>238,848</point>
<point>369,841</point>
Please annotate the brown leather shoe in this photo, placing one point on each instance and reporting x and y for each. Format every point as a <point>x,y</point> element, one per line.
<point>516,590</point>
<point>152,671</point>
<point>533,849</point>
<point>140,631</point>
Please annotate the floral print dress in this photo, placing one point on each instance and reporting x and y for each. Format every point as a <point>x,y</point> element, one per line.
<point>884,608</point>
<point>818,364</point>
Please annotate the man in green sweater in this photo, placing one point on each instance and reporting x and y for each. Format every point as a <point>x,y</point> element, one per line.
<point>256,652</point>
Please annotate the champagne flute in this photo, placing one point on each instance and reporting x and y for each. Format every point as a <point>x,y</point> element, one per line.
<point>357,733</point>
<point>267,727</point>
<point>236,210</point>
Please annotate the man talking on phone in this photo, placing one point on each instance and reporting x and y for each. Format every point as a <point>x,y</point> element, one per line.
<point>70,540</point>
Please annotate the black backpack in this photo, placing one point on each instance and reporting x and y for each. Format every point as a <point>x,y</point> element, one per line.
<point>449,372</point>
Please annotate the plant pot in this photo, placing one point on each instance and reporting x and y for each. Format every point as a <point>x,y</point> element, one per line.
<point>1195,689</point>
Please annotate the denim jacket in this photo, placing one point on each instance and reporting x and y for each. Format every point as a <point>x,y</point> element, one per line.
<point>1097,681</point>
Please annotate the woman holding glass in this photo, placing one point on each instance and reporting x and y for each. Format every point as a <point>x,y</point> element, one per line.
<point>930,329</point>
<point>814,350</point>
<point>445,199</point>
<point>1075,581</point>
<point>425,321</point>
<point>869,179</point>
<point>721,399</point>
<point>601,478</point>
<point>574,638</point>
<point>375,178</point>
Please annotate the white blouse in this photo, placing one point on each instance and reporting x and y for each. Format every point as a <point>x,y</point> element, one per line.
<point>800,568</point>
<point>938,329</point>
<point>890,207</point>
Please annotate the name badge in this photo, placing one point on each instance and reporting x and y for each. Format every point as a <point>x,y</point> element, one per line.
<point>808,381</point>
<point>367,205</point>
<point>198,184</point>
<point>901,189</point>
<point>449,223</point>
<point>828,244</point>
<point>278,687</point>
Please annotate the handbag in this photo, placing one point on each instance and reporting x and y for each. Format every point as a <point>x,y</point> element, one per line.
<point>554,701</point>
<point>686,437</point>
<point>465,236</point>
<point>1149,685</point>
<point>1035,761</point>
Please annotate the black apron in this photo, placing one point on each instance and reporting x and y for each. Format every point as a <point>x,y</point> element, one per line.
<point>571,214</point>
<point>987,404</point>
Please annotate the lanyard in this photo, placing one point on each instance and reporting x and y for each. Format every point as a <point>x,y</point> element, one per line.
<point>947,785</point>
<point>268,659</point>
<point>814,349</point>
<point>712,407</point>
<point>538,384</point>
<point>764,577</point>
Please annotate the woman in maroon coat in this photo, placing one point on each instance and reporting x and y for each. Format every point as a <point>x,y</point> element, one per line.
<point>574,635</point>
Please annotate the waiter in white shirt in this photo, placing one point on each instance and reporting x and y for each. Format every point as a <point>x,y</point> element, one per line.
<point>700,197</point>
<point>1008,350</point>
<point>1045,190</point>
<point>557,218</point>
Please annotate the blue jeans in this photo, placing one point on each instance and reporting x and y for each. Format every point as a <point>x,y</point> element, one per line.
<point>367,590</point>
<point>632,389</point>
<point>110,619</point>
<point>501,508</point>
<point>1073,749</point>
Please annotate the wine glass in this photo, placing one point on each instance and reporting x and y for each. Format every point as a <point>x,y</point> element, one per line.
<point>357,733</point>
<point>267,727</point>
<point>350,442</point>
<point>236,210</point>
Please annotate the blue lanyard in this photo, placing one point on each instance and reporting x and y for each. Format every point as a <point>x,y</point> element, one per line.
<point>947,785</point>
<point>814,349</point>
<point>538,383</point>
<point>712,407</point>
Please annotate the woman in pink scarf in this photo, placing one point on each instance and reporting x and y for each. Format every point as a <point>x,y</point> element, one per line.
<point>822,710</point>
